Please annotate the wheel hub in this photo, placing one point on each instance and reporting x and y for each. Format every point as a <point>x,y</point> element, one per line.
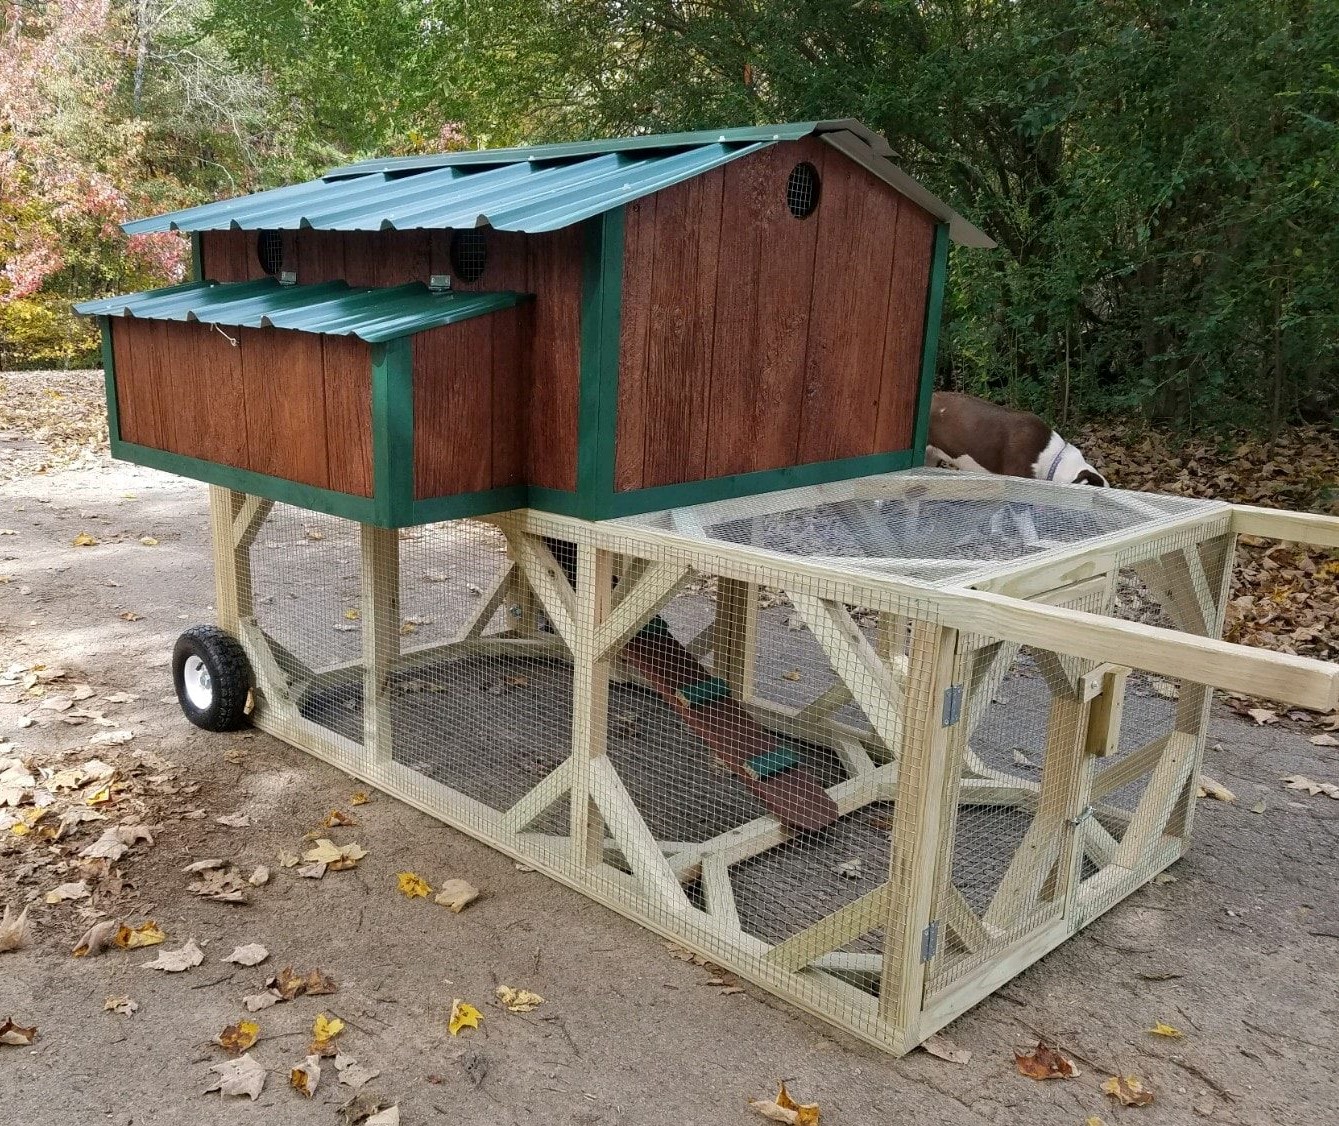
<point>197,683</point>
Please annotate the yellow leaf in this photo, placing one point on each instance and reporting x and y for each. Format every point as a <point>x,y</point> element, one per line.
<point>27,820</point>
<point>237,1038</point>
<point>148,541</point>
<point>83,539</point>
<point>359,798</point>
<point>324,1031</point>
<point>337,818</point>
<point>463,1015</point>
<point>100,795</point>
<point>305,1076</point>
<point>409,627</point>
<point>146,934</point>
<point>1128,1090</point>
<point>1167,1030</point>
<point>518,1000</point>
<point>785,1109</point>
<point>352,614</point>
<point>413,886</point>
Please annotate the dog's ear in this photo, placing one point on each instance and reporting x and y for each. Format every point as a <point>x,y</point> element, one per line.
<point>1091,477</point>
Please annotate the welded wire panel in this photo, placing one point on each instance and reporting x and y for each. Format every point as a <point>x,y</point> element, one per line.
<point>937,526</point>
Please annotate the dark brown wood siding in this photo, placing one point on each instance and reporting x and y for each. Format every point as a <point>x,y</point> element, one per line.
<point>288,404</point>
<point>469,413</point>
<point>751,339</point>
<point>541,382</point>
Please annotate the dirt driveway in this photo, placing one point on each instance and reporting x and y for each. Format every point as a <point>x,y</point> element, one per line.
<point>1240,951</point>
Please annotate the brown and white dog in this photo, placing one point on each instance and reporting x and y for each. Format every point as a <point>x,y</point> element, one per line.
<point>971,433</point>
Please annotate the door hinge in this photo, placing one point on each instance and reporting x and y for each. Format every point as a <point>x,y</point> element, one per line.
<point>930,941</point>
<point>952,704</point>
<point>1080,817</point>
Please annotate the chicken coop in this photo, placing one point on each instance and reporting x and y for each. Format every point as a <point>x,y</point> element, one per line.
<point>570,494</point>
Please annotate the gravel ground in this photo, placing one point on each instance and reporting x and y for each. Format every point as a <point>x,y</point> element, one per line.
<point>1239,952</point>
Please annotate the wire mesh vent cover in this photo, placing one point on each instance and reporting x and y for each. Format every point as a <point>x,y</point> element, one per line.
<point>270,251</point>
<point>802,190</point>
<point>469,255</point>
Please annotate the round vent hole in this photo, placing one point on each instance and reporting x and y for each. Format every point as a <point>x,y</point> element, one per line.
<point>802,190</point>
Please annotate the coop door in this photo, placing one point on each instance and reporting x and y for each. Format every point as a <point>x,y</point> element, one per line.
<point>1011,856</point>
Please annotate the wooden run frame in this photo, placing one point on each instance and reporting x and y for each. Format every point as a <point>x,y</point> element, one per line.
<point>939,954</point>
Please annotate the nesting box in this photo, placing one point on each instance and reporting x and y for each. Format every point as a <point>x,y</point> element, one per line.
<point>591,329</point>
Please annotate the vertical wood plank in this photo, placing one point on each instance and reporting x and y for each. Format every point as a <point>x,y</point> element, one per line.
<point>229,255</point>
<point>205,390</point>
<point>319,257</point>
<point>917,827</point>
<point>231,567</point>
<point>284,379</point>
<point>590,700</point>
<point>511,334</point>
<point>453,408</point>
<point>555,262</point>
<point>347,368</point>
<point>380,585</point>
<point>847,313</point>
<point>638,271</point>
<point>735,636</point>
<point>137,401</point>
<point>905,328</point>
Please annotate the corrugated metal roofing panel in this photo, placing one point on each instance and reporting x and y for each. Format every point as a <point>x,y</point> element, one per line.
<point>332,308</point>
<point>542,188</point>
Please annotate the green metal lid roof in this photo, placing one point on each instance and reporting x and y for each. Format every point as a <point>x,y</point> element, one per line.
<point>332,308</point>
<point>531,189</point>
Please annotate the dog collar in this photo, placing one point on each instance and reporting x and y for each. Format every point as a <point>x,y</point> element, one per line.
<point>1055,462</point>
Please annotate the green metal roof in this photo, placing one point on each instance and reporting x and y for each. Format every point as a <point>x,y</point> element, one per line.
<point>332,308</point>
<point>531,189</point>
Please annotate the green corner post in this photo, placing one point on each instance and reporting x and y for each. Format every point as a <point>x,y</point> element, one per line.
<point>934,311</point>
<point>393,433</point>
<point>601,317</point>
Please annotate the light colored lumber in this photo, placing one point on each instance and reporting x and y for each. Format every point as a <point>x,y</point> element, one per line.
<point>539,799</point>
<point>249,515</point>
<point>493,597</point>
<point>1128,767</point>
<point>1106,709</point>
<point>638,606</point>
<point>717,891</point>
<point>856,663</point>
<point>1159,797</point>
<point>844,925</point>
<point>959,917</point>
<point>734,643</point>
<point>639,847</point>
<point>917,827</point>
<point>546,578</point>
<point>854,758</point>
<point>590,699</point>
<point>380,600</point>
<point>270,678</point>
<point>1275,524</point>
<point>232,579</point>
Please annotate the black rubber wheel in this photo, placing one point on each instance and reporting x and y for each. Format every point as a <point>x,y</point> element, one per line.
<point>212,677</point>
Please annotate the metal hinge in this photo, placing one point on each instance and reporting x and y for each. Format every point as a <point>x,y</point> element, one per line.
<point>952,704</point>
<point>930,941</point>
<point>1082,816</point>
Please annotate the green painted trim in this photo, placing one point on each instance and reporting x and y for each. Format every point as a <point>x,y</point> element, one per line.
<point>749,484</point>
<point>197,258</point>
<point>934,312</point>
<point>247,481</point>
<point>561,501</point>
<point>601,315</point>
<point>486,501</point>
<point>393,432</point>
<point>109,379</point>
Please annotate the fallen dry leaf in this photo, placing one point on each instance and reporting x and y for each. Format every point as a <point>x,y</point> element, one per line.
<point>463,1015</point>
<point>77,890</point>
<point>1300,782</point>
<point>1127,1090</point>
<point>238,820</point>
<point>1323,740</point>
<point>1212,788</point>
<point>785,1109</point>
<point>941,1047</point>
<point>98,937</point>
<point>133,938</point>
<point>177,961</point>
<point>1044,1062</point>
<point>518,1000</point>
<point>287,859</point>
<point>148,541</point>
<point>123,1005</point>
<point>289,984</point>
<point>412,885</point>
<point>388,1117</point>
<point>352,1073</point>
<point>238,1037</point>
<point>337,857</point>
<point>1161,1029</point>
<point>324,1032</point>
<point>359,798</point>
<point>15,1035</point>
<point>304,1076</point>
<point>337,818</point>
<point>83,539</point>
<point>250,955</point>
<point>457,895</point>
<point>1262,716</point>
<point>254,1002</point>
<point>313,871</point>
<point>242,1076</point>
<point>260,877</point>
<point>793,674</point>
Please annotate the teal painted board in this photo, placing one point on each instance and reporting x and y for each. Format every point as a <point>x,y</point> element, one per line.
<point>331,308</point>
<point>934,312</point>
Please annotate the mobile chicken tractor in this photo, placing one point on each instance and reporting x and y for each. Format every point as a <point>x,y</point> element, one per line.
<point>569,494</point>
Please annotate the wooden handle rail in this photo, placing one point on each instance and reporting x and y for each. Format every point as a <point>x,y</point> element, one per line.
<point>1275,524</point>
<point>1302,681</point>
